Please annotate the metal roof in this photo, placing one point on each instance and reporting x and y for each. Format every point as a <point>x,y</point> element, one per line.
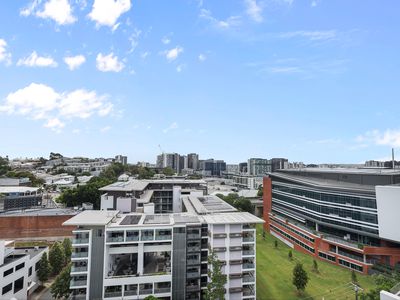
<point>232,218</point>
<point>92,217</point>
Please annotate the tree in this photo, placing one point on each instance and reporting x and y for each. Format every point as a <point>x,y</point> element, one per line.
<point>382,283</point>
<point>67,246</point>
<point>315,266</point>
<point>260,191</point>
<point>44,268</point>
<point>354,277</point>
<point>60,287</point>
<point>276,244</point>
<point>300,278</point>
<point>215,288</point>
<point>57,258</point>
<point>168,171</point>
<point>4,167</point>
<point>290,255</point>
<point>151,297</point>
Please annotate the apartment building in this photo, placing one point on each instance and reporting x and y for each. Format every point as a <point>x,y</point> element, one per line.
<point>19,197</point>
<point>345,216</point>
<point>18,267</point>
<point>258,166</point>
<point>133,255</point>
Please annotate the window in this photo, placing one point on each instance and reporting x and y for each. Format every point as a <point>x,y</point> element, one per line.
<point>30,271</point>
<point>37,265</point>
<point>19,267</point>
<point>100,233</point>
<point>8,272</point>
<point>7,288</point>
<point>18,285</point>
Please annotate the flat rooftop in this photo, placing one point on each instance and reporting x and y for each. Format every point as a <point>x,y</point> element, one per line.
<point>92,218</point>
<point>18,189</point>
<point>232,218</point>
<point>39,212</point>
<point>374,171</point>
<point>209,204</point>
<point>140,185</point>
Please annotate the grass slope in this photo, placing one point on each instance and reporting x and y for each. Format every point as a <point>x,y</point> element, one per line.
<point>274,274</point>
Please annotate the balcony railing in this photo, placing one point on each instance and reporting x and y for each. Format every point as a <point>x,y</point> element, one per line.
<point>80,241</point>
<point>248,292</point>
<point>194,249</point>
<point>248,266</point>
<point>79,254</point>
<point>145,292</point>
<point>248,278</point>
<point>162,290</point>
<point>79,269</point>
<point>248,252</point>
<point>191,288</point>
<point>248,239</point>
<point>132,238</point>
<point>163,237</point>
<point>115,239</point>
<point>147,237</point>
<point>194,235</point>
<point>130,293</point>
<point>112,294</point>
<point>193,274</point>
<point>193,261</point>
<point>77,283</point>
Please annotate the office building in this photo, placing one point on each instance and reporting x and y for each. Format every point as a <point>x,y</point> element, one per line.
<point>258,166</point>
<point>168,160</point>
<point>243,168</point>
<point>133,255</point>
<point>345,216</point>
<point>193,161</point>
<point>211,167</point>
<point>232,168</point>
<point>18,270</point>
<point>121,159</point>
<point>279,164</point>
<point>19,197</point>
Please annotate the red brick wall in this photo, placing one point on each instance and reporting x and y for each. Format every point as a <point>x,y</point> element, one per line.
<point>34,227</point>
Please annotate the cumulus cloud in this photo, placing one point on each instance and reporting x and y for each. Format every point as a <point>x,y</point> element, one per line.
<point>173,53</point>
<point>59,11</point>
<point>34,60</point>
<point>173,126</point>
<point>254,10</point>
<point>5,56</point>
<point>107,12</point>
<point>389,137</point>
<point>166,40</point>
<point>74,62</point>
<point>41,102</point>
<point>180,68</point>
<point>108,63</point>
<point>134,39</point>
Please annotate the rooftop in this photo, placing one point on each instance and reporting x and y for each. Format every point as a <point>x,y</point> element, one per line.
<point>209,204</point>
<point>17,189</point>
<point>374,171</point>
<point>92,217</point>
<point>232,218</point>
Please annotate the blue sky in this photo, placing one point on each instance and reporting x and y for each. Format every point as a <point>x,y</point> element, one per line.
<point>311,80</point>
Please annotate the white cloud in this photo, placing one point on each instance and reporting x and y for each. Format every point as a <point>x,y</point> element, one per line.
<point>54,124</point>
<point>230,22</point>
<point>390,137</point>
<point>105,129</point>
<point>134,39</point>
<point>254,10</point>
<point>180,68</point>
<point>74,62</point>
<point>202,57</point>
<point>39,101</point>
<point>108,63</point>
<point>166,40</point>
<point>59,11</point>
<point>145,54</point>
<point>173,126</point>
<point>34,60</point>
<point>107,12</point>
<point>311,35</point>
<point>5,56</point>
<point>173,53</point>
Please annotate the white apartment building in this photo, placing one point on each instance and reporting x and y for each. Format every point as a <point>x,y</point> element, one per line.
<point>133,255</point>
<point>18,267</point>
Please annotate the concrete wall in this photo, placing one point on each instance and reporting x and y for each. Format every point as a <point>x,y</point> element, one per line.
<point>388,204</point>
<point>34,227</point>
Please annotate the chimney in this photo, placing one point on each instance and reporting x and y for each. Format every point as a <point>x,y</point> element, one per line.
<point>393,165</point>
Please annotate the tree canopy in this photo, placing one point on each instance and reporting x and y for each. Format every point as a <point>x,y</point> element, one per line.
<point>44,268</point>
<point>240,203</point>
<point>300,277</point>
<point>60,287</point>
<point>57,257</point>
<point>215,288</point>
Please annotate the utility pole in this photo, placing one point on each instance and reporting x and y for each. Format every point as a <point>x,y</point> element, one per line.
<point>356,289</point>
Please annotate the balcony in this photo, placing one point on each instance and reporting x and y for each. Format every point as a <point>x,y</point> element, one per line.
<point>194,249</point>
<point>248,239</point>
<point>235,235</point>
<point>80,241</point>
<point>145,291</point>
<point>77,283</point>
<point>162,290</point>
<point>79,254</point>
<point>112,294</point>
<point>193,274</point>
<point>248,252</point>
<point>248,292</point>
<point>132,238</point>
<point>248,278</point>
<point>163,237</point>
<point>118,239</point>
<point>75,269</point>
<point>192,288</point>
<point>193,261</point>
<point>248,266</point>
<point>130,293</point>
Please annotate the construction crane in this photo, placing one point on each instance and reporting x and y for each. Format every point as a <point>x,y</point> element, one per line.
<point>162,151</point>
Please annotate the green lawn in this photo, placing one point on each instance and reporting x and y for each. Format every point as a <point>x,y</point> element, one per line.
<point>274,274</point>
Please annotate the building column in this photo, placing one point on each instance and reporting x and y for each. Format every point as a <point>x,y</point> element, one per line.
<point>140,261</point>
<point>316,227</point>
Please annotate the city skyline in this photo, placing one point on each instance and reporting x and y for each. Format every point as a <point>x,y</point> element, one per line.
<point>265,79</point>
